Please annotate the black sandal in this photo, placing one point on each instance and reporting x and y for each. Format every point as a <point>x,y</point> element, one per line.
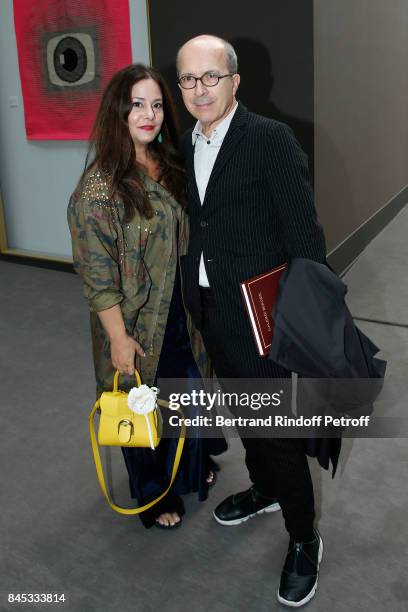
<point>213,468</point>
<point>160,526</point>
<point>170,503</point>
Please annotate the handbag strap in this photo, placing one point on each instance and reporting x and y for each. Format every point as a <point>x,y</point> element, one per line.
<point>99,468</point>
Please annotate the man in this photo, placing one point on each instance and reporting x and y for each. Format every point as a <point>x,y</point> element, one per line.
<point>251,209</point>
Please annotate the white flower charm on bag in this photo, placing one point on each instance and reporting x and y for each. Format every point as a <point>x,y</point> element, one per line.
<point>142,400</point>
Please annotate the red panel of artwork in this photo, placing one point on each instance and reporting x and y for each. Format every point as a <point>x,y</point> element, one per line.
<point>67,52</point>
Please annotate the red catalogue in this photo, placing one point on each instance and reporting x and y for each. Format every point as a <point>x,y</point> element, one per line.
<point>259,296</point>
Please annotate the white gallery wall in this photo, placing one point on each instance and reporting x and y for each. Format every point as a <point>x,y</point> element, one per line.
<point>37,177</point>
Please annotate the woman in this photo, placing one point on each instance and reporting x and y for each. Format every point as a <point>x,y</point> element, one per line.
<point>128,226</point>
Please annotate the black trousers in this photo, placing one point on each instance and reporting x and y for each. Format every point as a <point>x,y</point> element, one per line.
<point>277,467</point>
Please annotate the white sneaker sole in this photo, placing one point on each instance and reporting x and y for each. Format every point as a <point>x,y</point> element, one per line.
<point>311,594</point>
<point>272,508</point>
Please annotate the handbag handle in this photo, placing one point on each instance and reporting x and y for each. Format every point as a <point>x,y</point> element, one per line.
<point>99,468</point>
<point>116,380</point>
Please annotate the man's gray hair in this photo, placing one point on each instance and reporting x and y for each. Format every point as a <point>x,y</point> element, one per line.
<point>232,60</point>
<point>230,54</point>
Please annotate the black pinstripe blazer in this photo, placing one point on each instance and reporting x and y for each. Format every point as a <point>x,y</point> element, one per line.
<point>258,212</point>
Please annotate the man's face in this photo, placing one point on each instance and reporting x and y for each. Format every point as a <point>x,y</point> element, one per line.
<point>207,104</point>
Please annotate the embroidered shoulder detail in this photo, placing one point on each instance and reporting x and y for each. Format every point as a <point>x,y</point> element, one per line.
<point>96,188</point>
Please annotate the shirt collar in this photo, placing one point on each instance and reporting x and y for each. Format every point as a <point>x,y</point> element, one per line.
<point>219,132</point>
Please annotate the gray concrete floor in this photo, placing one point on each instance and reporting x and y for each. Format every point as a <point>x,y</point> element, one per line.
<point>59,536</point>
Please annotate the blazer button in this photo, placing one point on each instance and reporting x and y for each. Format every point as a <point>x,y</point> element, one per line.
<point>203,223</point>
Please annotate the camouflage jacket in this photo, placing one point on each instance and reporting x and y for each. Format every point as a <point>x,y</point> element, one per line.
<point>132,264</point>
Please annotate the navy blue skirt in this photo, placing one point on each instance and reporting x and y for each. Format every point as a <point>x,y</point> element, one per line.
<point>150,471</point>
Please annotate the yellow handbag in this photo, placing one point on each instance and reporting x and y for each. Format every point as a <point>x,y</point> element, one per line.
<point>119,425</point>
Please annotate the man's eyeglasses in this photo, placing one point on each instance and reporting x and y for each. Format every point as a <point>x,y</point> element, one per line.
<point>208,79</point>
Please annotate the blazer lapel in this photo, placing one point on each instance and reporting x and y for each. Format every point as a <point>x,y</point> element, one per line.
<point>235,132</point>
<point>190,170</point>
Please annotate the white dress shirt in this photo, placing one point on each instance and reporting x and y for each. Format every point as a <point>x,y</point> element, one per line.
<point>206,149</point>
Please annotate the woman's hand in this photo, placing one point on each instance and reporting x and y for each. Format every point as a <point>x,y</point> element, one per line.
<point>123,349</point>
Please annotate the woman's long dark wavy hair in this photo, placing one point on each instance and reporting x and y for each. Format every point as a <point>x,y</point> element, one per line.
<point>114,150</point>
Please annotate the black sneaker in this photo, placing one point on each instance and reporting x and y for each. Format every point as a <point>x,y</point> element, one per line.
<point>300,572</point>
<point>238,508</point>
